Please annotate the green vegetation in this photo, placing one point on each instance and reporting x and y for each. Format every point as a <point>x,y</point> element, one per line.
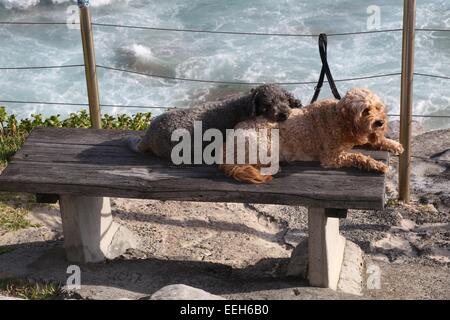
<point>12,218</point>
<point>9,146</point>
<point>29,290</point>
<point>13,132</point>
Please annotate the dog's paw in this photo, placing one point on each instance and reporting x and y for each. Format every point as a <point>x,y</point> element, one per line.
<point>378,166</point>
<point>397,149</point>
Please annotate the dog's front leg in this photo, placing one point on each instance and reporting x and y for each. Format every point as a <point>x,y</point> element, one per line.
<point>353,160</point>
<point>388,145</point>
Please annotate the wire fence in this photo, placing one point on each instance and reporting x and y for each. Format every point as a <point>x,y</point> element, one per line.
<point>275,34</point>
<point>240,32</point>
<point>231,82</point>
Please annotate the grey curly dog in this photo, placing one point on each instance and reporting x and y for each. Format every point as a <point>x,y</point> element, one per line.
<point>271,101</point>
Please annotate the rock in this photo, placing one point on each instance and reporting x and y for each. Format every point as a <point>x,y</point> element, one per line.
<point>429,208</point>
<point>351,277</point>
<point>293,237</point>
<point>393,246</point>
<point>407,224</point>
<point>140,58</point>
<point>122,240</point>
<point>298,264</point>
<point>380,258</point>
<point>433,227</point>
<point>394,129</point>
<point>441,255</point>
<point>432,143</point>
<point>183,292</point>
<point>404,225</point>
<point>442,156</point>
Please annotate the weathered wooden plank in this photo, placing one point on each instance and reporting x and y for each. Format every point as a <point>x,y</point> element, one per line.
<point>80,136</point>
<point>202,183</point>
<point>156,176</point>
<point>115,155</point>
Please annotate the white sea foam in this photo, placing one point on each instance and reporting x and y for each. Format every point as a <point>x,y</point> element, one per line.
<point>140,58</point>
<point>19,4</point>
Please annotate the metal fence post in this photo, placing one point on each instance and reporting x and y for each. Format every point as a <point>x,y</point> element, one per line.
<point>406,99</point>
<point>89,63</point>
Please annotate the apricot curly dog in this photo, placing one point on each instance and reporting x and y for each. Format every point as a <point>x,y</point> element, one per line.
<point>325,131</point>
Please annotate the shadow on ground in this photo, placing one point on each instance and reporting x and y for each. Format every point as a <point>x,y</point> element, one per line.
<point>136,278</point>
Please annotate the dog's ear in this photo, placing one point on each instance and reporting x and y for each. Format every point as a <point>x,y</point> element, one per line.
<point>360,108</point>
<point>293,102</point>
<point>354,105</point>
<point>354,109</point>
<point>360,100</point>
<point>351,109</point>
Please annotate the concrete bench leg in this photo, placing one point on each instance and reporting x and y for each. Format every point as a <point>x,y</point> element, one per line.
<point>325,248</point>
<point>90,234</point>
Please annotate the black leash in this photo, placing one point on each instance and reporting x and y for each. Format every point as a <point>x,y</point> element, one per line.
<point>325,71</point>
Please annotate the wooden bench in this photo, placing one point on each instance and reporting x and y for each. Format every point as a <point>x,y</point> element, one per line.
<point>81,166</point>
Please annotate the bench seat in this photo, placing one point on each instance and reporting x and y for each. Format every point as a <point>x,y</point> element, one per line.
<point>81,166</point>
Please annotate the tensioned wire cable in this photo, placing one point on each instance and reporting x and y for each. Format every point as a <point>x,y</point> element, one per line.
<point>239,82</point>
<point>156,107</point>
<point>42,67</point>
<point>220,32</point>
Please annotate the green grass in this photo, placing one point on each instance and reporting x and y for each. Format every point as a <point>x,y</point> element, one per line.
<point>29,290</point>
<point>9,146</point>
<point>14,208</point>
<point>12,218</point>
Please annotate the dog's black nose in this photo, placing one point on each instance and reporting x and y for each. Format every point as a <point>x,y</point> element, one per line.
<point>282,116</point>
<point>379,123</point>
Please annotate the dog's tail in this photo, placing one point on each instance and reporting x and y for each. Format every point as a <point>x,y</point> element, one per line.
<point>245,173</point>
<point>133,143</point>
